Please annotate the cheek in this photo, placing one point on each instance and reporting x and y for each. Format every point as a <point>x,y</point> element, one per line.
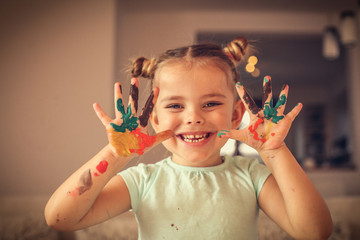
<point>167,121</point>
<point>224,117</point>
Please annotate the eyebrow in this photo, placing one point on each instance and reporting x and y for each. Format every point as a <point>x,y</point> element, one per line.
<point>210,95</point>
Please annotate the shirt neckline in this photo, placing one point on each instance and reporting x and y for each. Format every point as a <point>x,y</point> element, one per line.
<point>199,169</point>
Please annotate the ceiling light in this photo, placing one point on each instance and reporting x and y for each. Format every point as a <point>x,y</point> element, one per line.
<point>330,46</point>
<point>348,28</point>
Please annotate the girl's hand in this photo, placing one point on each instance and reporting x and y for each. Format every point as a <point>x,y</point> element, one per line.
<point>268,126</point>
<point>127,133</point>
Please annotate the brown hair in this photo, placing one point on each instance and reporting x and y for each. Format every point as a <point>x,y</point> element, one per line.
<point>228,56</point>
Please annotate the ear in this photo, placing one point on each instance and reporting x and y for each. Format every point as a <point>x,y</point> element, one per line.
<point>238,113</point>
<point>154,120</point>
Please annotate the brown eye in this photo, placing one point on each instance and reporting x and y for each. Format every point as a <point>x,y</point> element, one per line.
<point>212,104</point>
<point>174,106</point>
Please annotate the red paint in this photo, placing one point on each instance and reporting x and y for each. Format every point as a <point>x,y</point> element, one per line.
<point>96,174</point>
<point>272,134</point>
<point>102,166</point>
<point>253,130</point>
<point>144,141</point>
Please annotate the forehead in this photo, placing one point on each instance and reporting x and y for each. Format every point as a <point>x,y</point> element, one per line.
<point>186,75</point>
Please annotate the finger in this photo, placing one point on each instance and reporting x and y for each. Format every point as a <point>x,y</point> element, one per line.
<point>249,103</point>
<point>239,135</point>
<point>281,103</point>
<point>164,135</point>
<point>148,108</point>
<point>105,119</point>
<point>119,106</point>
<point>294,112</point>
<point>134,95</point>
<point>267,92</point>
<point>146,142</point>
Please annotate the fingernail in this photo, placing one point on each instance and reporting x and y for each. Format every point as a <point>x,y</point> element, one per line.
<point>267,78</point>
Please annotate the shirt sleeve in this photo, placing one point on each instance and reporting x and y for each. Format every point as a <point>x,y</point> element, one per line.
<point>259,173</point>
<point>135,179</point>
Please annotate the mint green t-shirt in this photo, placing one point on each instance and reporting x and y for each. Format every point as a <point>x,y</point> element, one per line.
<point>172,201</point>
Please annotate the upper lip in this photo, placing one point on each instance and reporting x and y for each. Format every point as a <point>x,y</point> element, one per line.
<point>193,133</point>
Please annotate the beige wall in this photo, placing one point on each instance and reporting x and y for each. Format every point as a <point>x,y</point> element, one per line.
<point>56,59</point>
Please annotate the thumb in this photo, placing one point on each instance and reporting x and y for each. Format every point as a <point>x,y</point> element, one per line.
<point>164,135</point>
<point>239,135</point>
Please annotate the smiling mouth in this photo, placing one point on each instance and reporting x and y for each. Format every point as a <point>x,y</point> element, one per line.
<point>194,138</point>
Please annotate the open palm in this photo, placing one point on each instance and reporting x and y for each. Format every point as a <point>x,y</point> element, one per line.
<point>127,133</point>
<point>268,126</point>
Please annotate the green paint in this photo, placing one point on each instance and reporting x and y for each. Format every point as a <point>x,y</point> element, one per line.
<point>238,84</point>
<point>130,122</point>
<point>222,133</point>
<point>271,113</point>
<point>120,106</point>
<point>266,79</point>
<point>281,101</point>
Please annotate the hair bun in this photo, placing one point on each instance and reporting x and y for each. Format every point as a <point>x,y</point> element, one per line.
<point>143,67</point>
<point>236,49</point>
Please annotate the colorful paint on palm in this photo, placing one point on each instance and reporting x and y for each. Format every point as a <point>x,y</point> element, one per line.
<point>129,142</point>
<point>127,138</point>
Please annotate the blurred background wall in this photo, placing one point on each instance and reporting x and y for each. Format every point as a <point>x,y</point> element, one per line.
<point>58,57</point>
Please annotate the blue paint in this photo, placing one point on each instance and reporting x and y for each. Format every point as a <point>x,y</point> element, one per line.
<point>222,133</point>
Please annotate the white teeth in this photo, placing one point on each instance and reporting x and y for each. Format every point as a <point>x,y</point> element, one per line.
<point>194,138</point>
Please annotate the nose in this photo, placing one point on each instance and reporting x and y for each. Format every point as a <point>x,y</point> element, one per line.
<point>194,117</point>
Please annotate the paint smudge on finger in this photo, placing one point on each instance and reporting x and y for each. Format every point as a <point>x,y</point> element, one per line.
<point>250,103</point>
<point>222,133</point>
<point>281,101</point>
<point>134,93</point>
<point>147,110</point>
<point>266,89</point>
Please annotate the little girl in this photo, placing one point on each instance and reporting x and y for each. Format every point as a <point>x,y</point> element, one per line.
<point>195,193</point>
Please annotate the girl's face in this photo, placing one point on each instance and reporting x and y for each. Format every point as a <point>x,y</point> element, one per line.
<point>195,102</point>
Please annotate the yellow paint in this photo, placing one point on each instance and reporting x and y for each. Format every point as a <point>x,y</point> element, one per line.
<point>123,142</point>
<point>268,129</point>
